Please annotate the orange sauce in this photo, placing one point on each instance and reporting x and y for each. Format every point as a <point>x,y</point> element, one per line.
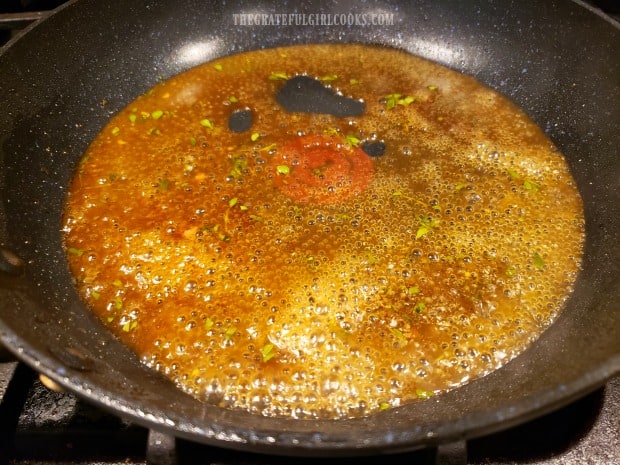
<point>283,271</point>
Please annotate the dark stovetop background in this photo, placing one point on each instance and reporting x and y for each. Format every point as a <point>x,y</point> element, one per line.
<point>41,427</point>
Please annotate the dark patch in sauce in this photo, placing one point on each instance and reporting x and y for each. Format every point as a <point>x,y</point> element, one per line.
<point>240,120</point>
<point>373,149</point>
<point>303,94</point>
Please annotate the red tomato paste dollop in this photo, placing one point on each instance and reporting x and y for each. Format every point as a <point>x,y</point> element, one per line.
<point>321,169</point>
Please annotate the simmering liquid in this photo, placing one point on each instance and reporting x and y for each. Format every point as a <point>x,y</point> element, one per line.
<point>400,232</point>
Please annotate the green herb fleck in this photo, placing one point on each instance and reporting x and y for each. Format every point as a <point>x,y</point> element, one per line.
<point>192,140</point>
<point>530,185</point>
<point>157,114</point>
<point>460,186</point>
<point>422,394</point>
<point>384,405</point>
<point>207,123</point>
<point>352,140</point>
<point>133,117</point>
<point>75,251</point>
<point>164,184</point>
<point>513,174</point>
<point>398,334</point>
<point>329,77</point>
<point>538,261</point>
<point>267,352</point>
<point>130,325</point>
<point>276,76</point>
<point>419,307</point>
<point>116,131</point>
<point>432,87</point>
<point>239,166</point>
<point>354,81</point>
<point>230,332</point>
<point>232,99</point>
<point>209,323</point>
<point>254,137</point>
<point>232,202</point>
<point>218,67</point>
<point>283,169</point>
<point>427,224</point>
<point>413,290</point>
<point>95,295</point>
<point>256,218</point>
<point>391,100</point>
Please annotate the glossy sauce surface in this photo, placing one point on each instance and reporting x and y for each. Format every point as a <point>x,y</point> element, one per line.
<point>316,266</point>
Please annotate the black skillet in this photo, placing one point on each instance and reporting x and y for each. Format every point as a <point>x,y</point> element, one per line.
<point>65,77</point>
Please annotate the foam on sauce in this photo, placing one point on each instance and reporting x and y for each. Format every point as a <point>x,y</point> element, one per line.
<point>282,270</point>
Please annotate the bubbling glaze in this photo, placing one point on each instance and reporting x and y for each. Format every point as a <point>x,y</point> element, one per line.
<point>281,270</point>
